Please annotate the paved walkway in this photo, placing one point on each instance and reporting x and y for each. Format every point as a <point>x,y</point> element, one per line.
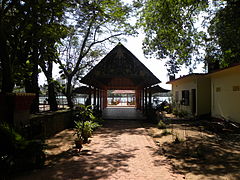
<point>120,150</point>
<point>113,113</point>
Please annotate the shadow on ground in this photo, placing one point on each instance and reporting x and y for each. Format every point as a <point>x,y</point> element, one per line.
<point>65,162</point>
<point>203,154</point>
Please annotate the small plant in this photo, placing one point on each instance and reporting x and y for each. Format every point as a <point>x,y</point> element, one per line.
<point>166,132</point>
<point>177,139</point>
<point>88,129</point>
<point>161,125</point>
<point>175,112</point>
<point>182,114</point>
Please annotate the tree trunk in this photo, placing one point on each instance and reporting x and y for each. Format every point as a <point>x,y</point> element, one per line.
<point>69,91</point>
<point>7,75</point>
<point>52,95</point>
<point>51,87</point>
<point>31,83</point>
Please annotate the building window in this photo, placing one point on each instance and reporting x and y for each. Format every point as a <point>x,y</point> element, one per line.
<point>236,88</point>
<point>218,89</point>
<point>176,96</point>
<point>185,98</point>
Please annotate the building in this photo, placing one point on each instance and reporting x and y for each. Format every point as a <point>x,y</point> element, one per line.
<point>216,93</point>
<point>192,94</point>
<point>225,93</point>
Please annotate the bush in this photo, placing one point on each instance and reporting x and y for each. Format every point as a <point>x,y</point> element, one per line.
<point>86,122</point>
<point>17,153</point>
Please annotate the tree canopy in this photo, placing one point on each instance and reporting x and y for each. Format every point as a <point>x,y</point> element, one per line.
<point>181,31</point>
<point>93,24</point>
<point>225,34</point>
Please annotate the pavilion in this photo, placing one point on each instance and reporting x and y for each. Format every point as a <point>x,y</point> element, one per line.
<point>121,70</point>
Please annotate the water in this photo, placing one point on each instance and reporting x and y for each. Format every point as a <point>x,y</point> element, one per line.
<point>82,100</point>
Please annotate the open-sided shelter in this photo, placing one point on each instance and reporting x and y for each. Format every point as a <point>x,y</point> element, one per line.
<point>120,70</point>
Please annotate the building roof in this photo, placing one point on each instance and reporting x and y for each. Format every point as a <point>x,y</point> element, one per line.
<point>186,77</point>
<point>205,74</point>
<point>120,69</point>
<point>225,69</point>
<point>158,89</point>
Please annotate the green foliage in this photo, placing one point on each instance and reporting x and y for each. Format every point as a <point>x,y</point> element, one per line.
<point>180,113</point>
<point>17,153</point>
<point>85,123</point>
<point>175,112</point>
<point>170,30</point>
<point>161,125</point>
<point>166,132</point>
<point>182,29</point>
<point>29,30</point>
<point>225,32</point>
<point>93,24</point>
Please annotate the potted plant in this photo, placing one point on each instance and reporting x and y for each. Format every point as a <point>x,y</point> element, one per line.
<point>78,132</point>
<point>84,125</point>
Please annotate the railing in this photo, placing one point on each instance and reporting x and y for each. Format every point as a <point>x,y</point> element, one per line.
<point>61,101</point>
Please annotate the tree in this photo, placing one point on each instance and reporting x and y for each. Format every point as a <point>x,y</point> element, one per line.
<point>95,23</point>
<point>51,33</point>
<point>172,30</point>
<point>28,33</point>
<point>225,35</point>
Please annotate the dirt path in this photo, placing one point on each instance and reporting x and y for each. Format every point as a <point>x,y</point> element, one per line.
<point>120,150</point>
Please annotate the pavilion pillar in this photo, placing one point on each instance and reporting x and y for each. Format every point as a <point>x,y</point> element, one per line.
<point>98,99</point>
<point>145,103</point>
<point>94,97</point>
<point>150,98</point>
<point>138,99</point>
<point>89,99</point>
<point>142,100</point>
<point>105,99</point>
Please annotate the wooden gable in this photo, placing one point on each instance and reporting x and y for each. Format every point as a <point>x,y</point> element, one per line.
<point>120,69</point>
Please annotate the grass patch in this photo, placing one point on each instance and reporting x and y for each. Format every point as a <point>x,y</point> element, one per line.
<point>161,125</point>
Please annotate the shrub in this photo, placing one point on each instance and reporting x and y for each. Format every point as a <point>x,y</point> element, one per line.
<point>17,153</point>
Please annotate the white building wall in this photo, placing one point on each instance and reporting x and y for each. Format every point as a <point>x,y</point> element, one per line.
<point>225,87</point>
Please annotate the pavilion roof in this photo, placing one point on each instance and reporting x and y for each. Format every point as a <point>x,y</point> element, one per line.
<point>83,90</point>
<point>158,89</point>
<point>120,69</point>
